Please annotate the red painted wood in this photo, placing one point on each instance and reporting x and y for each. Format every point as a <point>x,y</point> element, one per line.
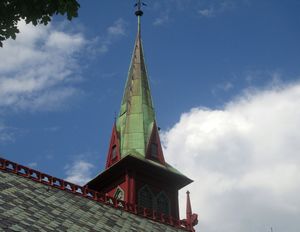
<point>114,141</point>
<point>8,166</point>
<point>154,138</point>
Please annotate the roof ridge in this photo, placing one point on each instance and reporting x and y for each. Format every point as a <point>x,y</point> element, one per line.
<point>37,176</point>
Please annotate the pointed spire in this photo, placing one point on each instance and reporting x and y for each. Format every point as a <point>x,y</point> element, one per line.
<point>188,205</point>
<point>137,117</point>
<point>139,4</point>
<point>139,13</point>
<point>191,219</point>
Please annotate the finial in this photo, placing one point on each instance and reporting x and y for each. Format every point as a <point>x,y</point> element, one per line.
<point>191,218</point>
<point>188,205</point>
<point>138,6</point>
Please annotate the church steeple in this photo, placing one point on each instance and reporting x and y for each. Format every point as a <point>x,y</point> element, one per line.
<point>135,169</point>
<point>136,119</point>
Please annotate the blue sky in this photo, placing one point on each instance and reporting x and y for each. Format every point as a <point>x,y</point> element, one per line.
<point>210,63</point>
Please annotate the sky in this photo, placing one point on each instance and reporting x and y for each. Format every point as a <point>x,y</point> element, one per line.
<point>225,81</point>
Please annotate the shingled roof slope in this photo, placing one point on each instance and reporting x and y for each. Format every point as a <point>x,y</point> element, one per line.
<point>26,205</point>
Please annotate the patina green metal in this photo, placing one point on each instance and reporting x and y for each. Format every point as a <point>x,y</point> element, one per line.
<point>136,119</point>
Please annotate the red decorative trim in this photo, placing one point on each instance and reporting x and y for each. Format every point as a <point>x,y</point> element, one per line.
<point>34,175</point>
<point>154,138</point>
<point>114,142</point>
<point>191,219</point>
<point>130,186</point>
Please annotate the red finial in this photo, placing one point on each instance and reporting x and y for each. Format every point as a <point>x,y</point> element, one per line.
<point>188,206</point>
<point>191,219</point>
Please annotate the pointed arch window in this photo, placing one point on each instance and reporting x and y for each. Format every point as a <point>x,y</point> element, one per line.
<point>163,203</point>
<point>154,150</point>
<point>114,152</point>
<point>119,194</point>
<point>145,197</point>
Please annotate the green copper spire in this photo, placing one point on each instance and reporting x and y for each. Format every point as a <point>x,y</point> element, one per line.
<point>136,119</point>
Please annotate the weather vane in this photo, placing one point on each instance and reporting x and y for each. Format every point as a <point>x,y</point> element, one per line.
<point>139,6</point>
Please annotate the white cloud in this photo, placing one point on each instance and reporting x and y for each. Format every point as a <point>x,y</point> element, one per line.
<point>163,19</point>
<point>6,134</point>
<point>66,43</point>
<point>224,87</point>
<point>205,8</point>
<point>244,160</point>
<point>48,100</point>
<point>167,8</point>
<point>171,4</point>
<point>211,8</point>
<point>117,29</point>
<point>32,165</point>
<point>79,172</point>
<point>38,69</point>
<point>208,12</point>
<point>113,33</point>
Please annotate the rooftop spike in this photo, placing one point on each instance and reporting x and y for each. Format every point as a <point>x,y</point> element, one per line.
<point>139,6</point>
<point>191,219</point>
<point>137,117</point>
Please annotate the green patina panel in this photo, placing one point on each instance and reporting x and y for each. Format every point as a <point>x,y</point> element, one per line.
<point>137,116</point>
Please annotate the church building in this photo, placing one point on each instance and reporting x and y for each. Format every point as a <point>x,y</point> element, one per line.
<point>137,191</point>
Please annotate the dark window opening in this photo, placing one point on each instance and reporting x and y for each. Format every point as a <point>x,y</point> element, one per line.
<point>162,204</point>
<point>154,150</point>
<point>114,152</point>
<point>145,198</point>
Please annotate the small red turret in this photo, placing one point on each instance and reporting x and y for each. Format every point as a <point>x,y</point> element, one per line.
<point>191,219</point>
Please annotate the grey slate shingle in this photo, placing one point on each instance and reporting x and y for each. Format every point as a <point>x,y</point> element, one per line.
<point>30,206</point>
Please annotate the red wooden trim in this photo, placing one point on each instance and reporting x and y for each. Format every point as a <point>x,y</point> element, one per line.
<point>154,138</point>
<point>114,142</point>
<point>45,179</point>
<point>131,186</point>
<point>127,184</point>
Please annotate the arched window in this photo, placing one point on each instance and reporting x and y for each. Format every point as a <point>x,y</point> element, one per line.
<point>114,152</point>
<point>145,198</point>
<point>119,194</point>
<point>162,203</point>
<point>154,150</point>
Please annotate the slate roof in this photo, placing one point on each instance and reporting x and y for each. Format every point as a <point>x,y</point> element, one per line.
<point>28,205</point>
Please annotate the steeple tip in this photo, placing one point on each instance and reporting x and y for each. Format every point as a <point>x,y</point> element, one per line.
<point>191,218</point>
<point>139,13</point>
<point>139,6</point>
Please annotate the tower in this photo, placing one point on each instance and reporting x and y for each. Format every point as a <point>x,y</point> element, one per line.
<point>136,171</point>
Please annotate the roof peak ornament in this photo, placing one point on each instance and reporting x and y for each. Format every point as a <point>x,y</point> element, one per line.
<point>191,218</point>
<point>139,6</point>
